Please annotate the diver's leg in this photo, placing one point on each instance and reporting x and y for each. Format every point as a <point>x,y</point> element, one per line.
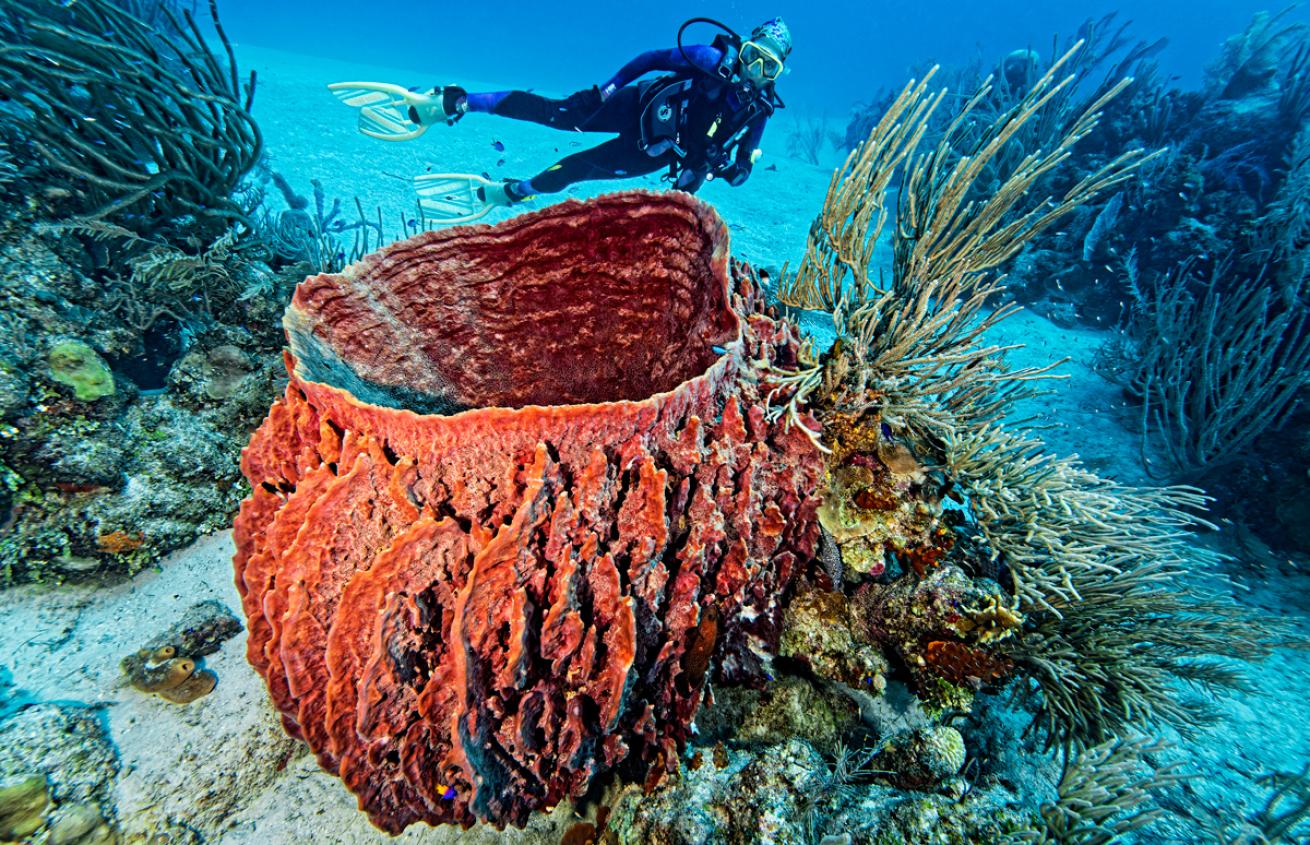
<point>582,110</point>
<point>568,113</point>
<point>617,158</point>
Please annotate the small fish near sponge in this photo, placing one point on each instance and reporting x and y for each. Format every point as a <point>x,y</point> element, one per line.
<point>523,494</point>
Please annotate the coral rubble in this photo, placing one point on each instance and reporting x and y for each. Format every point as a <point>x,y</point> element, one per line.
<point>523,494</point>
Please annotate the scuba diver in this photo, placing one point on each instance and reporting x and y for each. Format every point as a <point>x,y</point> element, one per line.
<point>703,119</point>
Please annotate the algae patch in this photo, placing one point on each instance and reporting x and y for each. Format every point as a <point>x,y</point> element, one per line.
<point>76,365</point>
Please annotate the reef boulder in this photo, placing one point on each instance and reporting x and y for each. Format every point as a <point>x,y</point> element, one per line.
<point>524,492</point>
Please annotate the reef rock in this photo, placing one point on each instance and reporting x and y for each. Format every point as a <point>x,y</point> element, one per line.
<point>948,629</point>
<point>82,824</point>
<point>820,631</point>
<point>523,493</point>
<point>923,758</point>
<point>22,807</point>
<point>732,797</point>
<point>58,766</point>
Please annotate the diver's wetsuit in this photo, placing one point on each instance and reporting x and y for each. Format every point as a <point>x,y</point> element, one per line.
<point>620,113</point>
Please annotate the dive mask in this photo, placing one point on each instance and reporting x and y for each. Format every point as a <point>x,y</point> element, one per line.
<point>758,60</point>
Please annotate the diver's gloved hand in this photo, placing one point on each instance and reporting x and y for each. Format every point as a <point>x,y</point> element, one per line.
<point>443,104</point>
<point>735,173</point>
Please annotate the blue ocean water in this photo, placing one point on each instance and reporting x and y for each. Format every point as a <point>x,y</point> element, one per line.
<point>845,51</point>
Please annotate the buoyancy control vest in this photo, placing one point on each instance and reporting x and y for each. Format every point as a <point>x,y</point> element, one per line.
<point>699,117</point>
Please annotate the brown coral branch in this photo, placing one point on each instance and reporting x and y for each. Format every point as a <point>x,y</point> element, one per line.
<point>1248,360</point>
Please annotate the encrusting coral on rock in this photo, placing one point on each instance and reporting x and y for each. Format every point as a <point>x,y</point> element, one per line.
<point>168,665</point>
<point>877,499</point>
<point>173,678</point>
<point>923,758</point>
<point>820,631</point>
<point>944,628</point>
<point>78,366</point>
<point>523,491</point>
<point>22,807</point>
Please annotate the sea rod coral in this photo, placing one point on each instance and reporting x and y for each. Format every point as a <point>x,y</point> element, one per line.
<point>1096,568</point>
<point>523,486</point>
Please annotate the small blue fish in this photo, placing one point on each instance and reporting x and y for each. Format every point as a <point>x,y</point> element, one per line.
<point>498,146</point>
<point>449,794</point>
<point>773,167</point>
<point>486,175</point>
<point>500,163</point>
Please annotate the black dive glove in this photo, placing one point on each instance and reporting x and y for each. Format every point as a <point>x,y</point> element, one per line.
<point>735,173</point>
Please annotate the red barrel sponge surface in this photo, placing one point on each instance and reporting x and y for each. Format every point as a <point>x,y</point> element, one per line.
<point>523,491</point>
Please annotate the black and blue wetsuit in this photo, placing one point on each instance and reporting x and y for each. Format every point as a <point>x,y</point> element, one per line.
<point>733,115</point>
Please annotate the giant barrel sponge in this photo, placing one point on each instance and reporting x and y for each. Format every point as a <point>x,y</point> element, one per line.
<point>524,491</point>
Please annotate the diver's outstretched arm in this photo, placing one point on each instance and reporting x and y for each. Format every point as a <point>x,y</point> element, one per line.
<point>671,60</point>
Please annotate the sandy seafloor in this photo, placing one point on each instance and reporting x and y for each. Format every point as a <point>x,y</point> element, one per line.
<point>223,766</point>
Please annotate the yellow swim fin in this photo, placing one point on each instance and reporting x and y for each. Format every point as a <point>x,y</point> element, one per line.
<point>461,197</point>
<point>391,112</point>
